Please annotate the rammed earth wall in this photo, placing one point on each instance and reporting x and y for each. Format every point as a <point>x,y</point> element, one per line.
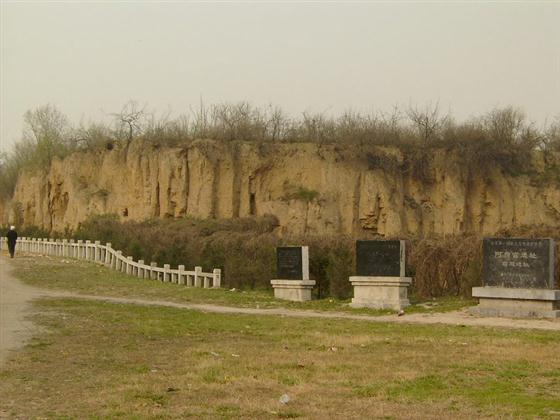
<point>310,188</point>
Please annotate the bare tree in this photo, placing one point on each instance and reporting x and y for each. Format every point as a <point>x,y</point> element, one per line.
<point>90,135</point>
<point>509,126</point>
<point>428,122</point>
<point>131,119</point>
<point>551,138</point>
<point>200,124</point>
<point>278,123</point>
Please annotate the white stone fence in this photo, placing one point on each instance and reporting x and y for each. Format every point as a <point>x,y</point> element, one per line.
<point>111,258</point>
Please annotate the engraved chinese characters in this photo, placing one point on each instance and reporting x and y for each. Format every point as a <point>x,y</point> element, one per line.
<point>292,262</point>
<point>519,263</point>
<point>380,258</point>
<point>293,281</point>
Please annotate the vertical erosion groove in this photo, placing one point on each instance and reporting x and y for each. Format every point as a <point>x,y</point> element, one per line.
<point>215,184</point>
<point>50,205</point>
<point>252,198</point>
<point>187,182</point>
<point>157,208</point>
<point>467,225</point>
<point>236,183</point>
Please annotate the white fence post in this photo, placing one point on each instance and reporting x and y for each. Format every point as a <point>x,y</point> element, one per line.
<point>65,248</point>
<point>119,262</point>
<point>108,254</point>
<point>94,251</point>
<point>113,260</point>
<point>217,274</point>
<point>197,276</point>
<point>128,265</point>
<point>79,249</point>
<point>97,251</point>
<point>181,275</point>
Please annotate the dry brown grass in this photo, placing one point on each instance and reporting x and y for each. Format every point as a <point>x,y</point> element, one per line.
<point>107,360</point>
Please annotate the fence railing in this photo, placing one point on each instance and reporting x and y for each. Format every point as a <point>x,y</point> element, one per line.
<point>114,259</point>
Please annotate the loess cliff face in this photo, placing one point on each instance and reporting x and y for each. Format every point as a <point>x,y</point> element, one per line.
<point>311,189</point>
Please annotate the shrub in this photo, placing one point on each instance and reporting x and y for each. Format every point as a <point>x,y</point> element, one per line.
<point>444,266</point>
<point>503,137</point>
<point>341,265</point>
<point>28,232</point>
<point>301,193</point>
<point>245,249</point>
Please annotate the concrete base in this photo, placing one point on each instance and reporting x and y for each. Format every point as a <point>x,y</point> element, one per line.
<point>516,303</point>
<point>296,290</point>
<point>380,292</point>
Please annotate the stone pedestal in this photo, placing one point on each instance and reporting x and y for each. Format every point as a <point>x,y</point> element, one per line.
<point>380,292</point>
<point>517,303</point>
<point>296,290</point>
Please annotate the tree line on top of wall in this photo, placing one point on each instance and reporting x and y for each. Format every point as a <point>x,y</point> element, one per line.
<point>245,250</point>
<point>502,137</point>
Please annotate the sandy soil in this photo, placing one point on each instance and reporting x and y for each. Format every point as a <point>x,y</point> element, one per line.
<point>16,298</point>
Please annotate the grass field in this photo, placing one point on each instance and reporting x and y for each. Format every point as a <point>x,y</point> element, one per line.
<point>94,359</point>
<point>85,277</point>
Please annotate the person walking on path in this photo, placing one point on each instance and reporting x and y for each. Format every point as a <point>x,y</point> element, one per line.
<point>12,238</point>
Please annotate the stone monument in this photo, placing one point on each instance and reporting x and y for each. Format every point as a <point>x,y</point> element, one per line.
<point>292,273</point>
<point>520,279</point>
<point>381,281</point>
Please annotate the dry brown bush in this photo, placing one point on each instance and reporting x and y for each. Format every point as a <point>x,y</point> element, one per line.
<point>245,250</point>
<point>446,266</point>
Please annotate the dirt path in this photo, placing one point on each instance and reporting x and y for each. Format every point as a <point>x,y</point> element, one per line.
<point>16,297</point>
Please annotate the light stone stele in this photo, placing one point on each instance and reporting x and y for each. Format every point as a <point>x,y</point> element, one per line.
<point>380,292</point>
<point>516,303</point>
<point>381,282</point>
<point>295,290</point>
<point>520,279</point>
<point>293,281</point>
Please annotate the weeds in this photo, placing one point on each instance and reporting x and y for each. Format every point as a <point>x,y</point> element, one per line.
<point>301,193</point>
<point>137,361</point>
<point>502,137</point>
<point>245,250</point>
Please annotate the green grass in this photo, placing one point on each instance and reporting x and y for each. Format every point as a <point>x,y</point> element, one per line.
<point>303,194</point>
<point>88,278</point>
<point>104,360</point>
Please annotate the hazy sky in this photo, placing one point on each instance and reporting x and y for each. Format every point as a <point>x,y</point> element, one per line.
<point>90,58</point>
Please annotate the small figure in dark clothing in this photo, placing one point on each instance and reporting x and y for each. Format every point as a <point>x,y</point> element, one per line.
<point>12,238</point>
